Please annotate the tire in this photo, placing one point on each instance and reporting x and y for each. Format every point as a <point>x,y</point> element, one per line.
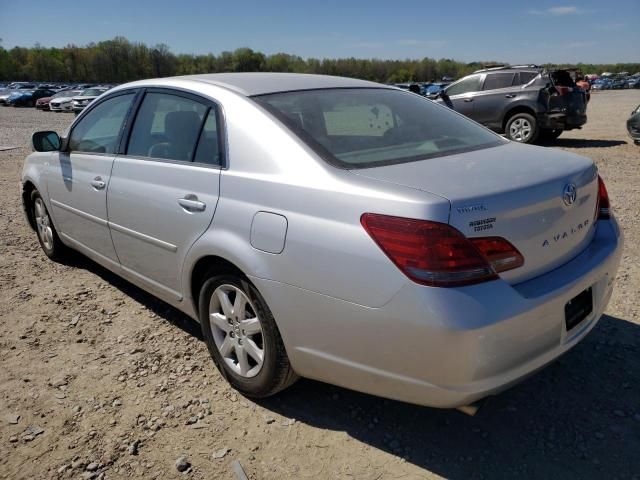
<point>47,234</point>
<point>227,337</point>
<point>522,127</point>
<point>549,134</point>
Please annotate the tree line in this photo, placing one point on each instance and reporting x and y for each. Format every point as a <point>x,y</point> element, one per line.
<point>119,60</point>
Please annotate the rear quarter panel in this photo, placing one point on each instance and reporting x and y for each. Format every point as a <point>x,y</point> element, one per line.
<point>326,250</point>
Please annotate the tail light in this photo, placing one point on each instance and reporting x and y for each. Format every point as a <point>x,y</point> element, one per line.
<point>603,207</point>
<point>499,252</point>
<point>438,255</point>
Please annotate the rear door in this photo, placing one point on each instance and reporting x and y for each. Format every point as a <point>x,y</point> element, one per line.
<point>164,189</point>
<point>78,178</point>
<point>497,92</point>
<point>462,94</point>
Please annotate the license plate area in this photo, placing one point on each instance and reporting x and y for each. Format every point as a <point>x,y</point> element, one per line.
<point>578,308</point>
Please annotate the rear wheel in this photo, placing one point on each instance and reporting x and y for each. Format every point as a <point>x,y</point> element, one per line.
<point>242,337</point>
<point>522,127</point>
<point>47,235</point>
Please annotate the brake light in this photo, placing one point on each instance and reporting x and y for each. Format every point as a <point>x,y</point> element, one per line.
<point>438,255</point>
<point>603,207</point>
<point>500,254</point>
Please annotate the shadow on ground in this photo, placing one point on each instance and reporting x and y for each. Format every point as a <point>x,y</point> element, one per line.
<point>577,418</point>
<point>583,143</point>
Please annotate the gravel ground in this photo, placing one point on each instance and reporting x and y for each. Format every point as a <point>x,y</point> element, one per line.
<point>100,380</point>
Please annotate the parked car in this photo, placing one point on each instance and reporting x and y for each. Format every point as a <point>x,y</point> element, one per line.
<point>43,103</point>
<point>524,103</point>
<point>619,84</point>
<point>633,125</point>
<point>86,97</point>
<point>28,98</point>
<point>63,101</point>
<point>435,89</point>
<point>633,82</point>
<point>333,228</point>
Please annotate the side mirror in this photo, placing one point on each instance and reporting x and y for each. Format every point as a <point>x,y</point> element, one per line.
<point>46,141</point>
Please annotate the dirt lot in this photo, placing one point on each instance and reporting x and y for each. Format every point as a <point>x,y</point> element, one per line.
<point>99,379</point>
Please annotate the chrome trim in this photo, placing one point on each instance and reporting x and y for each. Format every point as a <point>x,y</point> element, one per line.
<point>145,238</point>
<point>80,213</point>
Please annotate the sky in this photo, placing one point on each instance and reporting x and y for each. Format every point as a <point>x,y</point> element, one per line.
<point>515,32</point>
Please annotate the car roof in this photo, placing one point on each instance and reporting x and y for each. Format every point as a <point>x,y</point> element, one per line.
<point>261,83</point>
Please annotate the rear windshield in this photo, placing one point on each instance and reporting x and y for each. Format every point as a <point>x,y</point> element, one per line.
<point>369,127</point>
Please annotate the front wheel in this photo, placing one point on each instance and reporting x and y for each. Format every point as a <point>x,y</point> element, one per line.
<point>242,337</point>
<point>522,127</point>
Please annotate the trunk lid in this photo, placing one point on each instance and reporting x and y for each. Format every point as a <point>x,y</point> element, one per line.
<point>513,191</point>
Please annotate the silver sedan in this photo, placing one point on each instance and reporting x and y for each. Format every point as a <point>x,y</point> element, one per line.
<point>333,228</point>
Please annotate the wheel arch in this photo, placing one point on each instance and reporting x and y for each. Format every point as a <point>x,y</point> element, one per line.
<point>515,110</point>
<point>200,272</point>
<point>27,189</point>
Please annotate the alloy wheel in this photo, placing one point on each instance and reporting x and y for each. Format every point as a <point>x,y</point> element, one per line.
<point>43,222</point>
<point>237,331</point>
<point>520,130</point>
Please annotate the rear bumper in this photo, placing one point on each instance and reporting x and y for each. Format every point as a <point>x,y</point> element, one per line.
<point>561,121</point>
<point>444,347</point>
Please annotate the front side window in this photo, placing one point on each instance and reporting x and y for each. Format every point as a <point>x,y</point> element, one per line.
<point>98,131</point>
<point>466,85</point>
<point>494,81</point>
<point>368,127</point>
<point>167,126</point>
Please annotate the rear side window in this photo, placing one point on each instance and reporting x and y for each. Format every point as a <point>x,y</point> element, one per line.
<point>208,149</point>
<point>524,77</point>
<point>167,126</point>
<point>494,81</point>
<point>466,85</point>
<point>98,131</point>
<point>369,127</point>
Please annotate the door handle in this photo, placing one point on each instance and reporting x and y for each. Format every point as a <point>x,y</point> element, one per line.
<point>511,95</point>
<point>98,183</point>
<point>468,100</point>
<point>191,203</point>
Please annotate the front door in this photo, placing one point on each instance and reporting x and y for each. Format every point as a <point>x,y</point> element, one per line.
<point>78,178</point>
<point>164,190</point>
<point>461,94</point>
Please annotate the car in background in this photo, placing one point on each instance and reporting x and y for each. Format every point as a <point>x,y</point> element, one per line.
<point>633,82</point>
<point>87,96</point>
<point>63,101</point>
<point>525,103</point>
<point>618,84</point>
<point>43,103</point>
<point>431,261</point>
<point>633,125</point>
<point>601,84</point>
<point>20,86</point>
<point>434,89</point>
<point>28,98</point>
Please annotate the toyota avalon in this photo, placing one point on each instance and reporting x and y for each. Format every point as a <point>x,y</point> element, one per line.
<point>334,229</point>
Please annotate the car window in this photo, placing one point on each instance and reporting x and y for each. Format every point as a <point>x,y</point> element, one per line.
<point>494,81</point>
<point>99,129</point>
<point>208,149</point>
<point>167,126</point>
<point>369,127</point>
<point>524,78</point>
<point>466,85</point>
